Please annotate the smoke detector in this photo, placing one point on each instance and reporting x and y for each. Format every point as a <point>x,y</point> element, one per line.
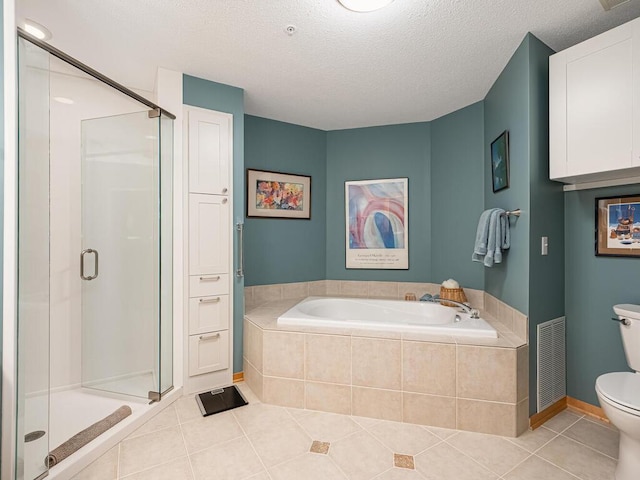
<point>609,4</point>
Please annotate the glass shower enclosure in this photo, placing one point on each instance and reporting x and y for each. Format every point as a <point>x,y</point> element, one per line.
<point>94,251</point>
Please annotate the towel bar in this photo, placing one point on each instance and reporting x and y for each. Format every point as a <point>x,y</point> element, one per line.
<point>514,213</point>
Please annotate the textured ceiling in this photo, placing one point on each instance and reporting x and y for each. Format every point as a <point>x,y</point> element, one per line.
<point>414,60</point>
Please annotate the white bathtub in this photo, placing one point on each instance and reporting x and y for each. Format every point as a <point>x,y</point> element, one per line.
<point>390,315</point>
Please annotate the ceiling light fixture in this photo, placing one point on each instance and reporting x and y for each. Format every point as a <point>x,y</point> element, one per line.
<point>37,30</point>
<point>364,5</point>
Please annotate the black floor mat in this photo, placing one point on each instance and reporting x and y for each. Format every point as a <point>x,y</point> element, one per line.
<point>220,400</point>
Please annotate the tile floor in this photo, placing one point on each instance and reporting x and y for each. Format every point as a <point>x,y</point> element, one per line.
<point>267,442</point>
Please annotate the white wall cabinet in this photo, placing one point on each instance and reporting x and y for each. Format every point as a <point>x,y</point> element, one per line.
<point>594,108</point>
<point>209,308</point>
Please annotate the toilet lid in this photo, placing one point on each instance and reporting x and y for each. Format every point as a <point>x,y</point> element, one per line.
<point>621,387</point>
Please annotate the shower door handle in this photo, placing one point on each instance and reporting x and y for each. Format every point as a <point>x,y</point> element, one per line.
<point>95,274</point>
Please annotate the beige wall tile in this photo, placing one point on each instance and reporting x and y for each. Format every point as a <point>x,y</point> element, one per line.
<point>505,315</point>
<point>252,344</point>
<point>333,287</point>
<point>429,368</point>
<point>374,403</point>
<point>328,397</point>
<point>318,287</point>
<point>475,298</point>
<point>266,293</point>
<point>491,305</point>
<point>429,410</point>
<point>295,290</point>
<point>248,298</point>
<point>486,373</point>
<point>522,371</point>
<point>376,363</point>
<point>522,417</point>
<point>521,326</point>
<point>283,354</point>
<point>419,289</point>
<point>486,417</point>
<point>253,378</point>
<point>354,289</point>
<point>383,290</point>
<point>328,358</point>
<point>283,392</point>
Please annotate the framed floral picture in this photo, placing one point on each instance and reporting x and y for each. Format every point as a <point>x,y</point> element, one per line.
<point>278,195</point>
<point>617,227</point>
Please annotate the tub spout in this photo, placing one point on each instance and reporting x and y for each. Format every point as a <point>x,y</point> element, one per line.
<point>473,313</point>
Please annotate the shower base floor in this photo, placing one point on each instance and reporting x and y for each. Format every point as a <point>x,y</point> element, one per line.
<point>70,412</point>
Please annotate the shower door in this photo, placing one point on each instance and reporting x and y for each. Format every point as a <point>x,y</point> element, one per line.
<point>120,263</point>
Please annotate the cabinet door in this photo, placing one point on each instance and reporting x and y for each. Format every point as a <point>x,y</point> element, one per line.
<point>210,150</point>
<point>208,352</point>
<point>208,314</point>
<point>599,110</point>
<point>209,230</point>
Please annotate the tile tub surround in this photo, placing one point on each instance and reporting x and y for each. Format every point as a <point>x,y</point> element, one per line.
<point>479,385</point>
<point>507,320</point>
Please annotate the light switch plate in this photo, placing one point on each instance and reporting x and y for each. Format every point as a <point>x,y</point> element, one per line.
<point>544,244</point>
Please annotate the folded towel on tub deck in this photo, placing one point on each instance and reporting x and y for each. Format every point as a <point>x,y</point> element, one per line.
<point>492,237</point>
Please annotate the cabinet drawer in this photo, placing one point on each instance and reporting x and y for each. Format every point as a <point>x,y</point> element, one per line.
<point>208,314</point>
<point>206,285</point>
<point>208,352</point>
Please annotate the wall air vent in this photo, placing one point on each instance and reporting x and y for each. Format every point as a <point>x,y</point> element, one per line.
<point>609,4</point>
<point>552,375</point>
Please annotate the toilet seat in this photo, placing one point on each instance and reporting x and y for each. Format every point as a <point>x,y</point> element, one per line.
<point>621,388</point>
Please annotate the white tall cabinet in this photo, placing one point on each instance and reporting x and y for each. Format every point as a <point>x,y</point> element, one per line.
<point>209,303</point>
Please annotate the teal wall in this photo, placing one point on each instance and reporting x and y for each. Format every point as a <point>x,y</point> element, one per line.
<point>546,273</point>
<point>283,250</point>
<point>593,285</point>
<point>506,107</point>
<point>457,169</point>
<point>393,151</point>
<point>224,98</point>
<point>533,284</point>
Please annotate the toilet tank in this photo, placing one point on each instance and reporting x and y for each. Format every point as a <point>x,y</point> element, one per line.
<point>630,333</point>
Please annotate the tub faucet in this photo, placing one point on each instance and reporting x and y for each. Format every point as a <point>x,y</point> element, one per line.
<point>473,313</point>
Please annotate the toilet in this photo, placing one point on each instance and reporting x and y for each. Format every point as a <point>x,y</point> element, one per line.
<point>619,394</point>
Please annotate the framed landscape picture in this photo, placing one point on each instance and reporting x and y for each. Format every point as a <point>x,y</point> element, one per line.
<point>500,162</point>
<point>278,195</point>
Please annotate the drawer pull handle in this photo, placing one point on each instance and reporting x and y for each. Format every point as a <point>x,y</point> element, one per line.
<point>225,190</point>
<point>210,336</point>
<point>210,300</point>
<point>212,279</point>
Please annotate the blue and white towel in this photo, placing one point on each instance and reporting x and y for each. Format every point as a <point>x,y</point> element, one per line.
<point>492,237</point>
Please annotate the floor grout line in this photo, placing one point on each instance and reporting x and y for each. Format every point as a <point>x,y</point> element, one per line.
<point>589,447</point>
<point>470,457</point>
